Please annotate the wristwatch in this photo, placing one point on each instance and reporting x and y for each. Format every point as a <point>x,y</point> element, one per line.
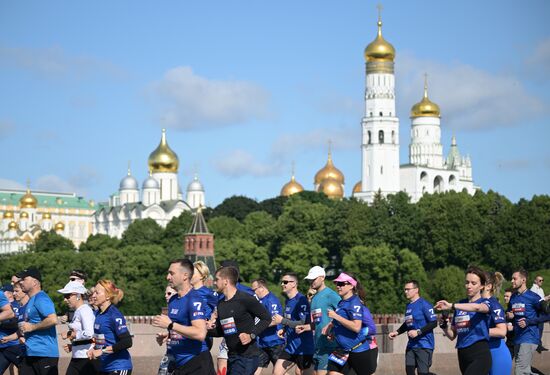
<point>418,332</point>
<point>253,336</point>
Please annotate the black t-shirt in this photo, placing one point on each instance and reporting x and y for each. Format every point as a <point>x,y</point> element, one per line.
<point>241,314</point>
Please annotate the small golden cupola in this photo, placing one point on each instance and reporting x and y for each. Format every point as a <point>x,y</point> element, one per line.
<point>425,107</point>
<point>379,50</point>
<point>291,187</point>
<point>24,215</point>
<point>12,225</point>
<point>332,188</point>
<point>356,188</point>
<point>59,227</point>
<point>46,216</point>
<point>28,200</point>
<point>329,171</point>
<point>8,215</point>
<point>163,159</point>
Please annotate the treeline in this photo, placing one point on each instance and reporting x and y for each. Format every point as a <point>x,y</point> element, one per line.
<point>384,244</point>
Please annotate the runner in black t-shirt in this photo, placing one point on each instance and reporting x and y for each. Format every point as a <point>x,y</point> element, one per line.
<point>237,314</point>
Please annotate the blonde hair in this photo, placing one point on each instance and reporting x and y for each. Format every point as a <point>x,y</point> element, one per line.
<point>202,268</point>
<point>114,294</point>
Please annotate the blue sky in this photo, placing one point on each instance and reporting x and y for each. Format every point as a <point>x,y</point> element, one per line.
<point>245,88</point>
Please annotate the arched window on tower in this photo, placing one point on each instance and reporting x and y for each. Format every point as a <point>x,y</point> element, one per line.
<point>381,169</point>
<point>381,114</point>
<point>381,136</point>
<point>368,134</point>
<point>393,136</point>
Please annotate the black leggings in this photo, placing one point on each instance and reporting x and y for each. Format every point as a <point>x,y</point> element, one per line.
<point>475,359</point>
<point>82,366</point>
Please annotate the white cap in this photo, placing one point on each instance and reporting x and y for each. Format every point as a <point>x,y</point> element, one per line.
<point>315,272</point>
<point>73,287</point>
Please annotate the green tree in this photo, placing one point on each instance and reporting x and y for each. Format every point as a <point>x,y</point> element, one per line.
<point>253,260</point>
<point>299,257</point>
<point>301,221</point>
<point>176,230</point>
<point>259,227</point>
<point>411,268</point>
<point>447,283</point>
<point>48,241</point>
<point>273,206</point>
<point>97,242</point>
<point>236,207</point>
<point>224,227</point>
<point>377,268</point>
<point>142,232</point>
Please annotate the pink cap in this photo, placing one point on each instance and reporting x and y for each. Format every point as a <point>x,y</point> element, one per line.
<point>345,277</point>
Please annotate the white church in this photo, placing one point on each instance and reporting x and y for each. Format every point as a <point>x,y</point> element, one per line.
<point>428,171</point>
<point>160,198</point>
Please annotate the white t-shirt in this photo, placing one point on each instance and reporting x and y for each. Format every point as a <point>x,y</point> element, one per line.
<point>537,289</point>
<point>83,327</point>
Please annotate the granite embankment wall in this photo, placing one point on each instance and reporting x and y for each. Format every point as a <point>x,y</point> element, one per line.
<point>146,353</point>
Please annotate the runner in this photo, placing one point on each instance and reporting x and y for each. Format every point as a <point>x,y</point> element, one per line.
<point>241,318</point>
<point>81,329</point>
<point>9,348</point>
<point>420,320</point>
<point>470,328</point>
<point>201,274</point>
<point>169,292</point>
<point>349,330</point>
<point>269,342</point>
<point>15,355</point>
<point>38,327</point>
<point>111,335</point>
<point>185,324</point>
<point>299,346</point>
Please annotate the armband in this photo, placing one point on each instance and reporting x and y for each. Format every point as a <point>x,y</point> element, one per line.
<point>170,326</point>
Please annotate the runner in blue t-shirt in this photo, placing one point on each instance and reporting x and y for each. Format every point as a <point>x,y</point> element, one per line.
<point>13,353</point>
<point>524,306</point>
<point>269,342</point>
<point>349,330</point>
<point>420,320</point>
<point>299,346</point>
<point>38,326</point>
<point>323,300</point>
<point>185,324</point>
<point>470,325</point>
<point>111,335</point>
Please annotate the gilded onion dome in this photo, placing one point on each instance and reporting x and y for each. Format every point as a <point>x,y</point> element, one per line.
<point>28,200</point>
<point>379,49</point>
<point>59,226</point>
<point>24,215</point>
<point>8,215</point>
<point>425,108</point>
<point>163,159</point>
<point>357,188</point>
<point>12,225</point>
<point>291,187</point>
<point>329,171</point>
<point>332,188</point>
<point>46,216</point>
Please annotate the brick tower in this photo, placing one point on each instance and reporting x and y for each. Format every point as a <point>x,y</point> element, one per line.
<point>199,242</point>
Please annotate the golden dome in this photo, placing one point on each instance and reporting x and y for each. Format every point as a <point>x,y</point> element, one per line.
<point>163,159</point>
<point>46,216</point>
<point>24,215</point>
<point>379,49</point>
<point>8,215</point>
<point>12,225</point>
<point>28,200</point>
<point>332,188</point>
<point>291,187</point>
<point>425,108</point>
<point>357,188</point>
<point>329,171</point>
<point>59,226</point>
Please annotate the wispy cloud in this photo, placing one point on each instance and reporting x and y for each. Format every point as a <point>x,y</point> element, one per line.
<point>239,163</point>
<point>539,62</point>
<point>54,62</point>
<point>514,164</point>
<point>190,101</point>
<point>10,184</point>
<point>341,138</point>
<point>469,97</point>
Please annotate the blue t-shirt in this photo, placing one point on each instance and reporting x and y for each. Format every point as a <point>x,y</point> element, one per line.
<point>108,326</point>
<point>297,308</point>
<point>183,310</point>
<point>417,315</point>
<point>4,331</point>
<point>326,299</point>
<point>242,288</point>
<point>351,309</point>
<point>20,314</point>
<point>496,317</point>
<point>41,343</point>
<point>526,305</point>
<point>269,338</point>
<point>471,327</point>
<point>210,298</point>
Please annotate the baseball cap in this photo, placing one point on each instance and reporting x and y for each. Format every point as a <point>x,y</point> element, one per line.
<point>73,287</point>
<point>7,288</point>
<point>32,272</point>
<point>344,277</point>
<point>315,272</point>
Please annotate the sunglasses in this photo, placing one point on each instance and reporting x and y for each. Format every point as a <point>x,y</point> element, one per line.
<point>67,296</point>
<point>284,282</point>
<point>74,278</point>
<point>168,293</point>
<point>342,283</point>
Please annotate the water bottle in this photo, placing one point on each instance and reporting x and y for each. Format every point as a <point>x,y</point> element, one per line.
<point>163,368</point>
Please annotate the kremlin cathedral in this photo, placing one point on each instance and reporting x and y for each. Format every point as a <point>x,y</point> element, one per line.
<point>427,172</point>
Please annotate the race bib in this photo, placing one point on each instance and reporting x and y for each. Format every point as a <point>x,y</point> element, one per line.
<point>339,357</point>
<point>99,339</point>
<point>228,325</point>
<point>316,316</point>
<point>462,323</point>
<point>409,320</point>
<point>518,309</point>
